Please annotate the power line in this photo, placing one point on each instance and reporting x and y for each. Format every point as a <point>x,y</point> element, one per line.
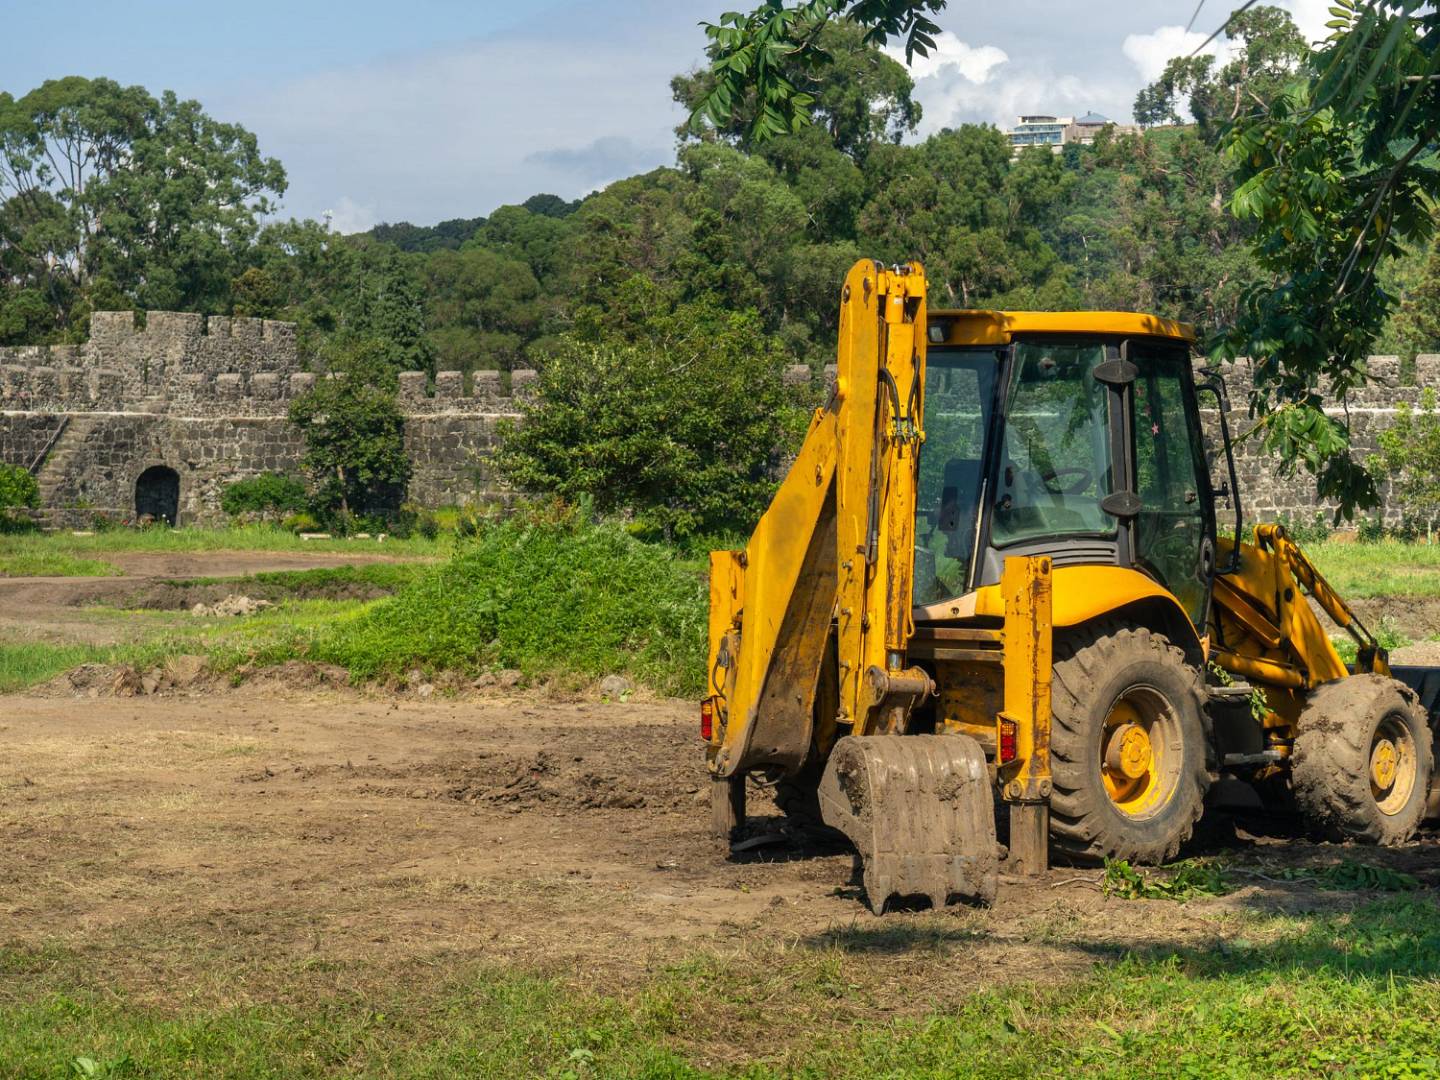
<point>1225,26</point>
<point>1191,24</point>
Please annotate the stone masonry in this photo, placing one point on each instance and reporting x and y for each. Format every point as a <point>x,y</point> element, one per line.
<point>197,403</point>
<point>204,401</point>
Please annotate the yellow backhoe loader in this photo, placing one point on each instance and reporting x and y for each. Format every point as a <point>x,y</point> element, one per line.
<point>994,570</point>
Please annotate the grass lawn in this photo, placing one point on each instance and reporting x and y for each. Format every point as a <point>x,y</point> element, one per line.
<point>1354,994</point>
<point>65,554</point>
<point>48,562</point>
<point>1389,568</point>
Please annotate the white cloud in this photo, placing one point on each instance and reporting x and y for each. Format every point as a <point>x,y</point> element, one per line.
<point>1151,52</point>
<point>952,56</point>
<point>1310,16</point>
<point>961,83</point>
<point>348,216</point>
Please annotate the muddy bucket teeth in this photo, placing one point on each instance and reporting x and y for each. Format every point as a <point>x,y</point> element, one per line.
<point>920,810</point>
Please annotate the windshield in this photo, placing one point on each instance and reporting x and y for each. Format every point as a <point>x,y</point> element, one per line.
<point>1055,467</point>
<point>959,400</point>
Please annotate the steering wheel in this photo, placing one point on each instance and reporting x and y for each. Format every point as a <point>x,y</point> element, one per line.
<point>1053,480</point>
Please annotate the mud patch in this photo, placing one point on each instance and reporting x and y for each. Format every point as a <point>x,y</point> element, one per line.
<point>1414,617</point>
<point>203,597</point>
<point>542,780</point>
<point>179,674</point>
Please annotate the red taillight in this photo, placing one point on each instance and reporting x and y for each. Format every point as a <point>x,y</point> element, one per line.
<point>1009,737</point>
<point>707,719</point>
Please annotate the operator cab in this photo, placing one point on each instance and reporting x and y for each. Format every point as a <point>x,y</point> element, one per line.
<point>1072,435</point>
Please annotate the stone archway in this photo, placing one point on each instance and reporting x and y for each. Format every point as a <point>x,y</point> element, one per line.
<point>157,493</point>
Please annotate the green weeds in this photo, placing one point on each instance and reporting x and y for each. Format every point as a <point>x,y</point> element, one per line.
<point>566,598</point>
<point>1387,568</point>
<point>26,663</point>
<point>1353,876</point>
<point>1178,881</point>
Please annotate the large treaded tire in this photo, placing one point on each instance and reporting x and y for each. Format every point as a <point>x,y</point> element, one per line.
<point>1330,770</point>
<point>1094,668</point>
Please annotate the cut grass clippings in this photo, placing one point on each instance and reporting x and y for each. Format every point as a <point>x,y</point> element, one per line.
<point>1349,994</point>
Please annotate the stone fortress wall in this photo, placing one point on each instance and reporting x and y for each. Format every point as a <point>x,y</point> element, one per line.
<point>207,399</point>
<point>1370,409</point>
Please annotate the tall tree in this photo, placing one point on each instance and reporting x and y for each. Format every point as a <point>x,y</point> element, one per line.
<point>354,431</point>
<point>677,416</point>
<point>110,190</point>
<point>1265,50</point>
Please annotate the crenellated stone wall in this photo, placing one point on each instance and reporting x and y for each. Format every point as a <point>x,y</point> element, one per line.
<point>208,398</point>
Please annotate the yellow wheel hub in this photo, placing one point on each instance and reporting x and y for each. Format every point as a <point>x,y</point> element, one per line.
<point>1138,748</point>
<point>1392,765</point>
<point>1128,752</point>
<point>1383,763</point>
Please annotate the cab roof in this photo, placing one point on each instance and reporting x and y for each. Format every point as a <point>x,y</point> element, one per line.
<point>951,327</point>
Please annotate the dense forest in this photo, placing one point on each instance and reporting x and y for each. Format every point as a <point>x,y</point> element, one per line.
<point>114,198</point>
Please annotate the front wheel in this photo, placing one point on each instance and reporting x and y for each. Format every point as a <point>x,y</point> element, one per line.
<point>1363,760</point>
<point>1128,746</point>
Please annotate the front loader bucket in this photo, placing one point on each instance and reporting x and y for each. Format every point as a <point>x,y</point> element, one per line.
<point>920,809</point>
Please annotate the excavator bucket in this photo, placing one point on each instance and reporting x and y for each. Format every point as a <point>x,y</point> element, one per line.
<point>920,810</point>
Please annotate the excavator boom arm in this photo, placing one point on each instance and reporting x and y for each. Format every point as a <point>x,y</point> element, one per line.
<point>834,550</point>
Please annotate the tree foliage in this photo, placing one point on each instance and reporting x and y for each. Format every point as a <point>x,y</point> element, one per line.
<point>18,489</point>
<point>1410,457</point>
<point>677,416</point>
<point>112,196</point>
<point>1266,49</point>
<point>761,61</point>
<point>1337,175</point>
<point>354,431</point>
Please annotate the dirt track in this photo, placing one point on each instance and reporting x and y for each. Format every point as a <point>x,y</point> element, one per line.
<point>52,608</point>
<point>565,837</point>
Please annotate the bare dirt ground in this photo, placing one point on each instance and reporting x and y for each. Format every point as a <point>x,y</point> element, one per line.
<point>564,837</point>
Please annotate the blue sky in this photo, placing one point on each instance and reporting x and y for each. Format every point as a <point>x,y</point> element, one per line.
<point>423,110</point>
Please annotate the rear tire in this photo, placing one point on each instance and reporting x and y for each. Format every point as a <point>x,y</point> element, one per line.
<point>1363,760</point>
<point>798,798</point>
<point>1128,746</point>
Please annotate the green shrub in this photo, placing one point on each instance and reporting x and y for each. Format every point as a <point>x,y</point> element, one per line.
<point>18,491</point>
<point>301,523</point>
<point>1372,530</point>
<point>266,493</point>
<point>1410,457</point>
<point>1315,530</point>
<point>548,595</point>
